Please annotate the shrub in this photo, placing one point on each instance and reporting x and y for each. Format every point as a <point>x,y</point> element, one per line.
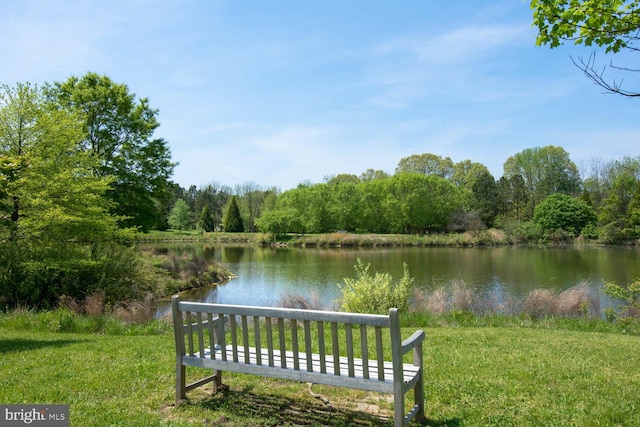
<point>375,294</point>
<point>563,212</point>
<point>629,294</point>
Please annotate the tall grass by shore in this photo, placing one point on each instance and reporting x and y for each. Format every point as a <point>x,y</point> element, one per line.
<point>577,308</point>
<point>490,237</point>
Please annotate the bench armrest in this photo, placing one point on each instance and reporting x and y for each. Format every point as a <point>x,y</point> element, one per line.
<point>413,341</point>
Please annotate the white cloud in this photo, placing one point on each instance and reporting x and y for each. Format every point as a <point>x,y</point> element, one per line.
<point>463,45</point>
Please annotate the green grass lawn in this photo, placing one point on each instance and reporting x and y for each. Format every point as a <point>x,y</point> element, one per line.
<point>475,376</point>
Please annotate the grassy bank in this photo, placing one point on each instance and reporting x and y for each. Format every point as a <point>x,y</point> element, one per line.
<point>476,376</point>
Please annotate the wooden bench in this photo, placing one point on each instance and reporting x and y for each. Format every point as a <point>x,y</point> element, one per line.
<point>322,347</point>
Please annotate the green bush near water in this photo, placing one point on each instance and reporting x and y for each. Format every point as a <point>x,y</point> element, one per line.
<point>376,293</point>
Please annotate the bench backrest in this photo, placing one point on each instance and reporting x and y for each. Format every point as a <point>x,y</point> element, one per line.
<point>297,333</point>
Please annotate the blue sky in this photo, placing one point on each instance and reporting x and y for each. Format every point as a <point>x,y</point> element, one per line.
<point>281,92</point>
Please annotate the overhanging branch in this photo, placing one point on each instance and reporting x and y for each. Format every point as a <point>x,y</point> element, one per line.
<point>597,76</point>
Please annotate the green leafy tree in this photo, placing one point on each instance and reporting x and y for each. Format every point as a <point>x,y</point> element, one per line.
<point>466,173</point>
<point>373,174</point>
<point>232,219</point>
<point>118,131</point>
<point>375,199</point>
<point>426,164</point>
<point>420,203</point>
<point>345,205</point>
<point>180,216</point>
<point>57,233</point>
<point>610,24</point>
<point>562,212</point>
<point>279,221</point>
<point>545,170</point>
<point>620,211</point>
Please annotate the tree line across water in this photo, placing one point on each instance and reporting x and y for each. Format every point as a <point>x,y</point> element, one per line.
<point>82,174</point>
<point>541,196</point>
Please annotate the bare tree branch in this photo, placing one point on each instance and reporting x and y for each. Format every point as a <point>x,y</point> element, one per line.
<point>597,76</point>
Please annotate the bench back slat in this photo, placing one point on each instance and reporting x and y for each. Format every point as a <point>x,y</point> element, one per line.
<point>349,339</point>
<point>283,344</point>
<point>200,333</point>
<point>245,338</point>
<point>190,333</point>
<point>307,344</point>
<point>294,344</point>
<point>234,337</point>
<point>380,353</point>
<point>335,348</point>
<point>212,335</point>
<point>269,321</point>
<point>365,351</point>
<point>222,338</point>
<point>321,350</point>
<point>256,331</point>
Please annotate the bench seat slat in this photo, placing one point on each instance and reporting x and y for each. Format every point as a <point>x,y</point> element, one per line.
<point>344,366</point>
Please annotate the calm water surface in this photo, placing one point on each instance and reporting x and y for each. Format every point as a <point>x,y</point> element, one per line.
<point>264,275</point>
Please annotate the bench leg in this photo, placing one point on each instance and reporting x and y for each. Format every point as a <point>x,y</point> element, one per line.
<point>398,408</point>
<point>418,391</point>
<point>180,383</point>
<point>217,380</point>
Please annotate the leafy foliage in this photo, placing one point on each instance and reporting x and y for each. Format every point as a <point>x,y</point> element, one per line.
<point>427,164</point>
<point>629,294</point>
<point>562,212</point>
<point>58,235</point>
<point>118,132</point>
<point>375,294</point>
<point>544,171</point>
<point>611,24</point>
<point>180,216</point>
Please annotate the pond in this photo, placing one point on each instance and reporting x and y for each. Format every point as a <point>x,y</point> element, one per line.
<point>265,275</point>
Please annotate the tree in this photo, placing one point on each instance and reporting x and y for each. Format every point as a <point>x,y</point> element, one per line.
<point>233,219</point>
<point>562,212</point>
<point>250,199</point>
<point>620,211</point>
<point>427,164</point>
<point>466,172</point>
<point>118,131</point>
<point>372,174</point>
<point>545,170</point>
<point>57,234</point>
<point>612,24</point>
<point>344,207</point>
<point>180,216</point>
<point>206,221</point>
<point>419,203</point>
<point>485,197</point>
